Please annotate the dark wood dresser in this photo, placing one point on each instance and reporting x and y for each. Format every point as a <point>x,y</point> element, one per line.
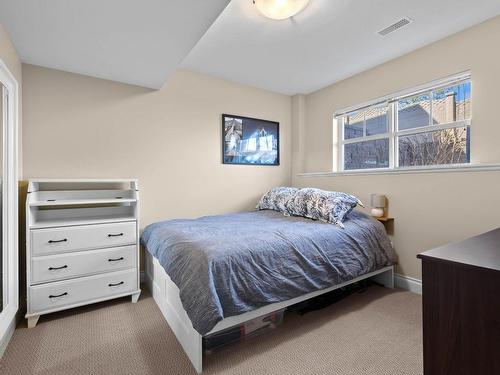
<point>461,307</point>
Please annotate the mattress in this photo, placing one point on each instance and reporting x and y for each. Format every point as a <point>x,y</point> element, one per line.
<point>230,264</point>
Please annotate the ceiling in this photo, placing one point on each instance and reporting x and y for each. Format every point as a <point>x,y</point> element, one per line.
<point>144,42</point>
<point>140,42</point>
<point>329,41</point>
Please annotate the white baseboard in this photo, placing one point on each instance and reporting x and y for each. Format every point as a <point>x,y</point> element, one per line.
<point>408,283</point>
<point>4,341</point>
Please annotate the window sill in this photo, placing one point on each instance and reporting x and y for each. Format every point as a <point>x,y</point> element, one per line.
<point>435,169</point>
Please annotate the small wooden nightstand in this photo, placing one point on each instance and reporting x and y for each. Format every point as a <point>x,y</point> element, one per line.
<point>388,223</point>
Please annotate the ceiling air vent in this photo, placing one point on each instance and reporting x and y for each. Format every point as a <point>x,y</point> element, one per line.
<point>395,26</point>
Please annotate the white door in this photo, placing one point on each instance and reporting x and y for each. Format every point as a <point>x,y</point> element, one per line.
<point>9,284</point>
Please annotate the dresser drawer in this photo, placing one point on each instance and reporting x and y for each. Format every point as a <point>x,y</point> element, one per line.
<point>85,237</point>
<point>64,266</point>
<point>77,291</point>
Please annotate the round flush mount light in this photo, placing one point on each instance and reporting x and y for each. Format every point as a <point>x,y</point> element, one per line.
<point>280,9</point>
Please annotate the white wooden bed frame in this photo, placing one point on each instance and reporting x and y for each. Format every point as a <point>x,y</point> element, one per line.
<point>166,295</point>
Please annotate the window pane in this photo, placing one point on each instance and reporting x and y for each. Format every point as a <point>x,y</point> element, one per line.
<point>353,125</point>
<point>376,120</point>
<point>367,154</point>
<point>450,146</point>
<point>451,104</point>
<point>414,112</point>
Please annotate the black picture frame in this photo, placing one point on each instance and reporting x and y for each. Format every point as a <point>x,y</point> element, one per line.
<point>250,141</point>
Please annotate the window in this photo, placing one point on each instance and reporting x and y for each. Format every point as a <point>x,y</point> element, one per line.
<point>427,126</point>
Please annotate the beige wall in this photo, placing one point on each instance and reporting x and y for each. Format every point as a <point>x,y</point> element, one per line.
<point>76,126</point>
<point>9,56</point>
<point>429,208</point>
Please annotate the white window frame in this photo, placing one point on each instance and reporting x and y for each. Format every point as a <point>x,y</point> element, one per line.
<point>393,133</point>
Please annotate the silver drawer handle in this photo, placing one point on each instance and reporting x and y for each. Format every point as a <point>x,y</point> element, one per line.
<point>58,268</point>
<point>57,241</point>
<point>59,295</point>
<point>116,259</point>
<point>115,235</point>
<point>120,283</point>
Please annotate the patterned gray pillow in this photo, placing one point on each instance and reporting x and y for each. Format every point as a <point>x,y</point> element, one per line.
<point>327,206</point>
<point>277,198</point>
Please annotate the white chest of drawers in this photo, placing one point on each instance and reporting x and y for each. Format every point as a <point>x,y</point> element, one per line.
<point>82,243</point>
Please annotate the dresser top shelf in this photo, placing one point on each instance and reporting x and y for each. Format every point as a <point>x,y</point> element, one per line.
<point>479,251</point>
<point>84,180</point>
<point>80,197</point>
<point>45,184</point>
<point>77,202</point>
<point>62,217</point>
<point>59,202</point>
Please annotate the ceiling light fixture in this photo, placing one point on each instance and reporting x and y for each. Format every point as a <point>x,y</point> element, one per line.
<point>280,9</point>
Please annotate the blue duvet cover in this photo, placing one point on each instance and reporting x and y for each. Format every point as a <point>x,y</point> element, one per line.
<point>229,264</point>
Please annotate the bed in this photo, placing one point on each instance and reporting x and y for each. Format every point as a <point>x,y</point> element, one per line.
<point>215,272</point>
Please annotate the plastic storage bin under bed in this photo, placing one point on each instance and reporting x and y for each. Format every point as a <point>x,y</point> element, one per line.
<point>244,331</point>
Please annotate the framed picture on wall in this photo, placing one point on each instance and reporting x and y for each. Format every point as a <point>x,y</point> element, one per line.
<point>250,141</point>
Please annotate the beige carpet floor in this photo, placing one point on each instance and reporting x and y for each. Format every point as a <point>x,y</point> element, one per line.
<point>370,333</point>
